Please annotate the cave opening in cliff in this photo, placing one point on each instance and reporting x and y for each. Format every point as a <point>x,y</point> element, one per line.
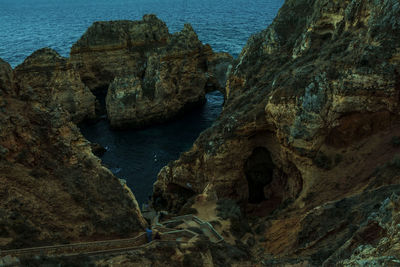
<point>101,93</point>
<point>259,170</point>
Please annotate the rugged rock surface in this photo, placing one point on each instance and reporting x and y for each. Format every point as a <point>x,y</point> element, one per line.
<point>311,111</point>
<point>115,48</point>
<point>6,78</point>
<point>52,188</point>
<point>376,240</point>
<point>150,74</point>
<point>218,65</point>
<point>47,77</point>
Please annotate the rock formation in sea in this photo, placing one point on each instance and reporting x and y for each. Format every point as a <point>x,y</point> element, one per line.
<point>148,74</point>
<point>309,133</point>
<point>52,188</point>
<point>48,78</point>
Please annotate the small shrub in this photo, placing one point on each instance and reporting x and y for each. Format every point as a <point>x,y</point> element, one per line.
<point>202,244</point>
<point>377,170</point>
<point>21,157</point>
<point>262,239</point>
<point>395,141</point>
<point>228,209</point>
<point>215,223</point>
<point>3,152</point>
<point>395,162</point>
<point>309,196</point>
<point>260,229</point>
<point>80,260</point>
<point>89,163</point>
<point>286,203</point>
<point>338,158</point>
<point>251,242</point>
<point>323,161</point>
<point>187,207</point>
<point>239,227</point>
<point>193,259</point>
<point>38,173</point>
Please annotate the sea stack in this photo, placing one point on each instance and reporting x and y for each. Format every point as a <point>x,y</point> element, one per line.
<point>148,74</point>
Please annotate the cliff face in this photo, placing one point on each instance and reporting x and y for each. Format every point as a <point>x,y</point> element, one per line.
<point>47,77</point>
<point>116,48</point>
<point>6,79</point>
<point>311,113</point>
<point>149,75</point>
<point>52,188</point>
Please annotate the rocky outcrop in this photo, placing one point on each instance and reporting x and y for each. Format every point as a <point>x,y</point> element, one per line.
<point>116,48</point>
<point>52,188</point>
<point>375,241</point>
<point>312,104</point>
<point>6,78</point>
<point>150,74</point>
<point>218,66</point>
<point>48,78</point>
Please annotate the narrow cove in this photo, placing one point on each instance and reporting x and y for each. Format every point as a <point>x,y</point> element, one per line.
<point>138,155</point>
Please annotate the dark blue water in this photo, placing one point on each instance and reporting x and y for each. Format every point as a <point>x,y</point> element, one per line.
<point>137,156</point>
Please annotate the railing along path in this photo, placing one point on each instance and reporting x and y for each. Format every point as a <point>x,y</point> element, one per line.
<point>168,236</point>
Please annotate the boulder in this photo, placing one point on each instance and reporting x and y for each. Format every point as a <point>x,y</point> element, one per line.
<point>98,149</point>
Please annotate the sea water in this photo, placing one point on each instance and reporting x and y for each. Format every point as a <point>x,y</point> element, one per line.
<point>135,155</point>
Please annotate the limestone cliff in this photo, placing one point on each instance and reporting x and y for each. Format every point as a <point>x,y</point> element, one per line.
<point>115,48</point>
<point>47,77</point>
<point>52,188</point>
<point>150,75</point>
<point>311,112</point>
<point>6,79</point>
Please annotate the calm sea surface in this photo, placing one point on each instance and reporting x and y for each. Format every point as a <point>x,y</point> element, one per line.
<point>137,156</point>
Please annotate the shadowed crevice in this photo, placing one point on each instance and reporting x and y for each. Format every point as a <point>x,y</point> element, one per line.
<point>259,170</point>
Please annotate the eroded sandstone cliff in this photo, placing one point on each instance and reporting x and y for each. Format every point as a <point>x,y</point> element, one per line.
<point>311,113</point>
<point>48,78</point>
<point>52,188</point>
<point>148,74</point>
